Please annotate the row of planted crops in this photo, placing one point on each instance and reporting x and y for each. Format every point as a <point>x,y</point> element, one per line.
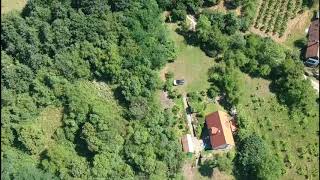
<point>273,15</point>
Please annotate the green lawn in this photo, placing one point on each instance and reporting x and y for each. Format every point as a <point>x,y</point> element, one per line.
<point>9,5</point>
<point>191,64</point>
<point>283,134</point>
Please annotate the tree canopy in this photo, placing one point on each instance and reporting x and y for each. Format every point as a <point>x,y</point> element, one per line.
<point>98,61</point>
<point>254,160</point>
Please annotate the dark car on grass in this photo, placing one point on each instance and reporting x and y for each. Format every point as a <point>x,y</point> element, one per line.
<point>178,82</point>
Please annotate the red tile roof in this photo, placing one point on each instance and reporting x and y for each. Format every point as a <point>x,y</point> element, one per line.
<point>312,50</point>
<point>314,30</point>
<point>313,40</point>
<point>219,127</point>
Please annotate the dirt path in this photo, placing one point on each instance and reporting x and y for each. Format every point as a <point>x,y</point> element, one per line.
<point>188,172</point>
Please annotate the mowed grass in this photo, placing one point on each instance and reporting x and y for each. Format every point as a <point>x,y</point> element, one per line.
<point>191,64</point>
<point>9,5</point>
<point>283,134</point>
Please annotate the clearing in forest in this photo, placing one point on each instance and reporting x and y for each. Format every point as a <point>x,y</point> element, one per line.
<point>49,120</point>
<point>9,5</point>
<point>191,64</point>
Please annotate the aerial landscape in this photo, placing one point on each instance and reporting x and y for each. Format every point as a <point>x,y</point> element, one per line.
<point>160,89</point>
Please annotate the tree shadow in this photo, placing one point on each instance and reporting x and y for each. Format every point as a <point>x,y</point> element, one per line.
<point>189,37</point>
<point>302,45</point>
<point>229,5</point>
<point>119,96</point>
<point>224,102</point>
<point>82,146</point>
<point>206,169</point>
<point>16,143</point>
<point>205,137</point>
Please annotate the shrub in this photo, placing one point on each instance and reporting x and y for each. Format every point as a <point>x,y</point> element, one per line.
<point>213,92</point>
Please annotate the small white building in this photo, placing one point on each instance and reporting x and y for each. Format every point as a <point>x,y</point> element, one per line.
<point>187,144</point>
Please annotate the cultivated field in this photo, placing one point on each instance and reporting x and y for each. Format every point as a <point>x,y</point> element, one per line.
<point>273,15</point>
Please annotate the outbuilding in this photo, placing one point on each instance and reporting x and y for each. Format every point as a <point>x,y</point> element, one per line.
<point>187,143</point>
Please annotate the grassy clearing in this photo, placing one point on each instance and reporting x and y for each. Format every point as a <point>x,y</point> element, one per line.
<point>296,141</point>
<point>191,64</point>
<point>9,5</point>
<point>212,107</point>
<point>49,120</point>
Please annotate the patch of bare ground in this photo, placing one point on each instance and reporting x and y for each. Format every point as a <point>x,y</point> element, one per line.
<point>298,23</point>
<point>165,101</point>
<point>163,73</point>
<point>188,172</point>
<point>218,175</point>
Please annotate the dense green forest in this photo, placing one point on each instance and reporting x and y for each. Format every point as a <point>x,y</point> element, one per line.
<point>92,65</point>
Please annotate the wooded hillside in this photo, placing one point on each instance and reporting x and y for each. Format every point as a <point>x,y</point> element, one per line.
<point>93,66</point>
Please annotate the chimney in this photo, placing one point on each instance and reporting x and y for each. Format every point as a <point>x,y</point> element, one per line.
<point>214,130</point>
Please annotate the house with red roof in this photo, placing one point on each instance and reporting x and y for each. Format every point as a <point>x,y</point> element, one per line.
<point>220,128</point>
<point>313,41</point>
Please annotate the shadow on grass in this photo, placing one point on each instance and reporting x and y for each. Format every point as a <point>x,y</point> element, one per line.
<point>189,37</point>
<point>230,5</point>
<point>206,169</point>
<point>224,102</point>
<point>205,137</point>
<point>82,146</point>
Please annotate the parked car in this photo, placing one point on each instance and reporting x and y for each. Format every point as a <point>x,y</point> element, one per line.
<point>311,62</point>
<point>178,82</point>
